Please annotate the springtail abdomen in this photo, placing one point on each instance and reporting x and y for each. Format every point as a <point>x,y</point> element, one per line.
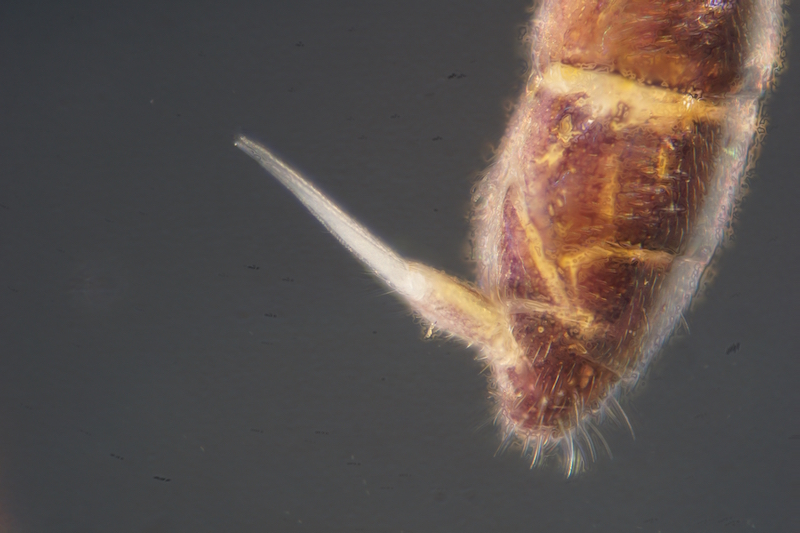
<point>612,189</point>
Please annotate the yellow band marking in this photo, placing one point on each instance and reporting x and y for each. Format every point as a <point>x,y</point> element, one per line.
<point>645,104</point>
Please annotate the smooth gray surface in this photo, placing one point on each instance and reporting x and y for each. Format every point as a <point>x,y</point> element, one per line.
<point>183,348</point>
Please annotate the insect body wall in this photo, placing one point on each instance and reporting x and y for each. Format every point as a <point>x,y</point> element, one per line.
<point>611,193</point>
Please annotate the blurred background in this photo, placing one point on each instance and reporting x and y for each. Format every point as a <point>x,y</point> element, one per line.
<point>184,348</point>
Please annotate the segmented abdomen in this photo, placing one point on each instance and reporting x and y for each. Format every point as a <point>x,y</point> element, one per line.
<point>611,192</point>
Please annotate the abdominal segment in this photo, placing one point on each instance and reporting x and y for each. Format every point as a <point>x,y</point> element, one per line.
<point>606,194</point>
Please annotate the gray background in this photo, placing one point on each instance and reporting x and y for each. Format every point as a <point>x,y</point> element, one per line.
<point>183,348</point>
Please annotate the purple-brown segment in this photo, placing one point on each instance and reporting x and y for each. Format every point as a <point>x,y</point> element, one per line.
<point>687,45</point>
<point>622,195</point>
